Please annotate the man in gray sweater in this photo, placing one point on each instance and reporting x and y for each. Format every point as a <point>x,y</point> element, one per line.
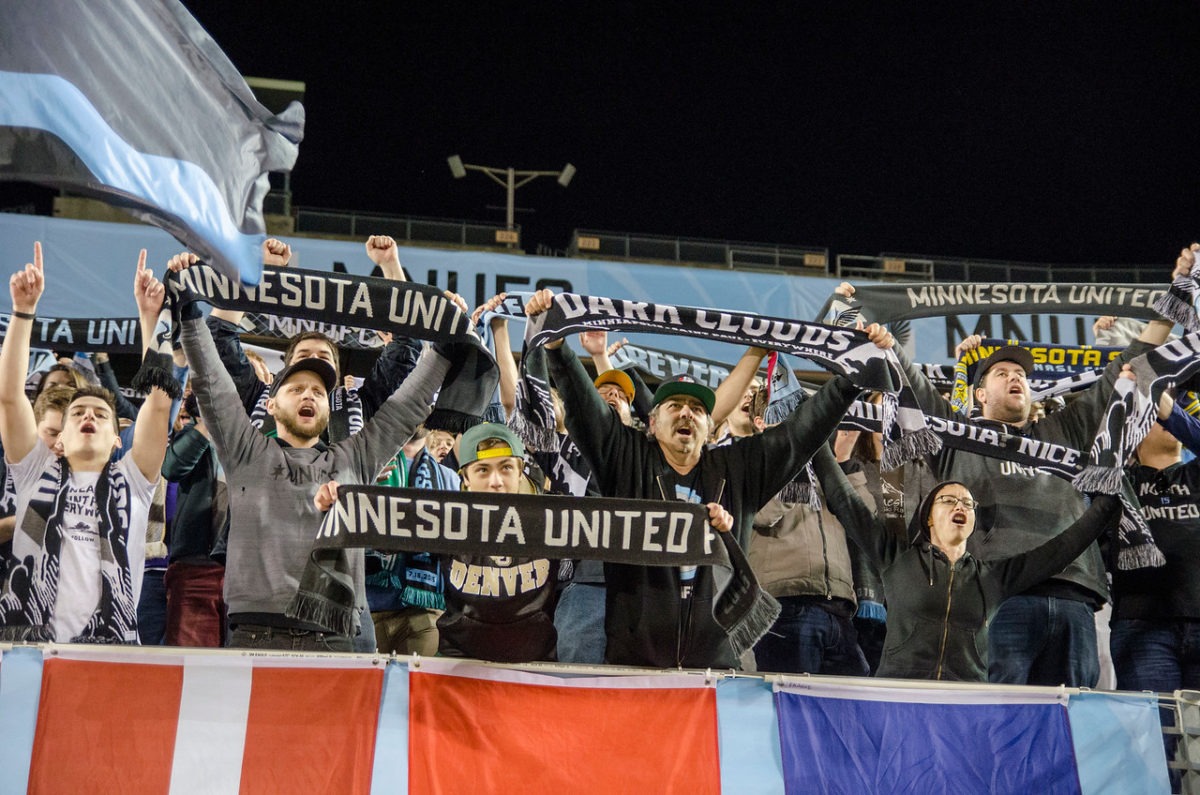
<point>272,482</point>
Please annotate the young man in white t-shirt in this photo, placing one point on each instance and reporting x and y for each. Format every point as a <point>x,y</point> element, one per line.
<point>79,541</point>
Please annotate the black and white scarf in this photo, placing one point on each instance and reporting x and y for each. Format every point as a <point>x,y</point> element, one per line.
<point>635,532</point>
<point>31,588</point>
<point>843,351</point>
<point>402,308</point>
<point>1179,302</point>
<point>1133,408</point>
<point>884,303</point>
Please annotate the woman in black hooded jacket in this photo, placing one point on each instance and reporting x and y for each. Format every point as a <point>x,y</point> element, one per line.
<point>940,597</point>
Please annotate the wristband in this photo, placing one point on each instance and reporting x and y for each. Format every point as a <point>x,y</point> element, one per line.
<point>24,315</point>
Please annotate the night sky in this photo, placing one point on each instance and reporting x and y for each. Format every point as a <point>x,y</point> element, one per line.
<point>1033,131</point>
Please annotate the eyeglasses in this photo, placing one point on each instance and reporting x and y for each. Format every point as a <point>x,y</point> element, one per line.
<point>950,500</point>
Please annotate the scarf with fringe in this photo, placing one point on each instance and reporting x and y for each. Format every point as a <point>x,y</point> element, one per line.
<point>402,308</point>
<point>843,351</point>
<point>635,532</point>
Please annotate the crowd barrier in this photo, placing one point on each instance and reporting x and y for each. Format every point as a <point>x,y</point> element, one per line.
<point>139,719</point>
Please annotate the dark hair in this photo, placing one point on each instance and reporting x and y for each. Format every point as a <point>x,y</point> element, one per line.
<point>758,403</point>
<point>79,378</point>
<point>985,512</point>
<point>312,335</point>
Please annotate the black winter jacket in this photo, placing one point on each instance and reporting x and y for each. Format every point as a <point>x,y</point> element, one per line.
<point>644,620</point>
<point>938,612</point>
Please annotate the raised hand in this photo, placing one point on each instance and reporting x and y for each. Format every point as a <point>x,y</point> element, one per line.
<point>384,252</point>
<point>182,261</point>
<point>618,345</point>
<point>457,300</point>
<point>487,306</point>
<point>1186,261</point>
<point>276,252</point>
<point>539,302</point>
<point>27,285</point>
<point>969,344</point>
<point>880,336</point>
<point>148,291</point>
<point>594,342</point>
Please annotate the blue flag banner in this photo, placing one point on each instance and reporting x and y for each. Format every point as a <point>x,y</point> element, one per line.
<point>20,689</point>
<point>876,739</point>
<point>131,102</point>
<point>1101,722</point>
<point>749,737</point>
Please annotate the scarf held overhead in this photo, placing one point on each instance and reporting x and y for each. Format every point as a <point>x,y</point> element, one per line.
<point>843,351</point>
<point>846,352</point>
<point>636,532</point>
<point>402,308</point>
<point>883,303</point>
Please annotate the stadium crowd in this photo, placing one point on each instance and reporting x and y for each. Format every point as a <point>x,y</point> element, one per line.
<point>189,519</point>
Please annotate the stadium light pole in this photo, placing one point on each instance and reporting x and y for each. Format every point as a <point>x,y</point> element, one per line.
<point>510,179</point>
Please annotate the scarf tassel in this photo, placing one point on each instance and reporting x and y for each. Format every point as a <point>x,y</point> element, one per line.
<point>451,421</point>
<point>1140,557</point>
<point>312,608</point>
<point>756,623</point>
<point>419,597</point>
<point>156,371</point>
<point>1096,479</point>
<point>536,437</point>
<point>909,447</point>
<point>1174,306</point>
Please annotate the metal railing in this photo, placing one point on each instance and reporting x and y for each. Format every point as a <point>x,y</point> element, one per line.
<point>412,229</point>
<point>727,253</point>
<point>921,267</point>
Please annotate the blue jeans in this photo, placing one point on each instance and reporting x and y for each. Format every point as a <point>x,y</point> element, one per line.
<point>579,621</point>
<point>365,642</point>
<point>1043,640</point>
<point>807,638</point>
<point>152,608</point>
<point>1160,656</point>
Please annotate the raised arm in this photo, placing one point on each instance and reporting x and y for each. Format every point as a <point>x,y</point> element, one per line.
<point>504,355</point>
<point>595,344</point>
<point>275,253</point>
<point>18,428</point>
<point>863,527</point>
<point>593,426</point>
<point>731,390</point>
<point>1027,569</point>
<point>153,424</point>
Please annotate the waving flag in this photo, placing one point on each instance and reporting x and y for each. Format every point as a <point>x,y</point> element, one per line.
<point>132,102</point>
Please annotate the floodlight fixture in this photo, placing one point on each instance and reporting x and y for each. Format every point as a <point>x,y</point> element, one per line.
<point>507,179</point>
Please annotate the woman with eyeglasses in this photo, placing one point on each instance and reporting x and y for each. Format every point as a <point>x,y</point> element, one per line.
<point>940,597</point>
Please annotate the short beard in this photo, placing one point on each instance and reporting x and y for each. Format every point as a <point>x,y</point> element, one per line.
<point>293,428</point>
